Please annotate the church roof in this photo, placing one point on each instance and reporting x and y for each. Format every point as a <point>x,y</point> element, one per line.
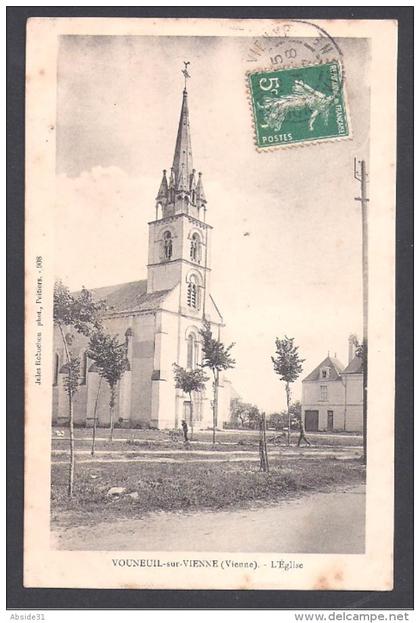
<point>355,366</point>
<point>336,368</point>
<point>131,296</point>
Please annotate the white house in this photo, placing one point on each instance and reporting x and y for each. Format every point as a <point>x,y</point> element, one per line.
<point>332,395</point>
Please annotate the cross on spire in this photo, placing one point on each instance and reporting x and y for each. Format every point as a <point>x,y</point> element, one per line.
<point>186,74</point>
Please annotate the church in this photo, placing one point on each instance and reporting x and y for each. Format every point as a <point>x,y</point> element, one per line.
<point>159,318</point>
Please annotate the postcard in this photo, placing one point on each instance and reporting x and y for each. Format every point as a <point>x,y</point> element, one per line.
<point>210,307</point>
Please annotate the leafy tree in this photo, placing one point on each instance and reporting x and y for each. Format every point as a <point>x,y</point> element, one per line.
<point>82,314</point>
<point>277,420</point>
<point>244,414</point>
<point>216,357</point>
<point>190,381</point>
<point>110,358</point>
<point>288,365</point>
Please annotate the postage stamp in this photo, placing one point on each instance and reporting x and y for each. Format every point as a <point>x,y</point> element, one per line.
<point>298,105</point>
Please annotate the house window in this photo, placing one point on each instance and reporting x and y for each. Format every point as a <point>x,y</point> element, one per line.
<point>192,292</point>
<point>167,245</point>
<point>324,392</point>
<point>325,372</point>
<point>195,248</point>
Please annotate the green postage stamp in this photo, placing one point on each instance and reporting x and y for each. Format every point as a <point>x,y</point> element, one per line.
<point>298,105</point>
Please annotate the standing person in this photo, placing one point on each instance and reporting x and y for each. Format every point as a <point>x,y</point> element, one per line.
<point>185,429</point>
<point>302,435</point>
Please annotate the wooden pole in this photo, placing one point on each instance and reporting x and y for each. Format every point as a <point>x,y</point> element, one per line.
<point>267,466</point>
<point>361,175</point>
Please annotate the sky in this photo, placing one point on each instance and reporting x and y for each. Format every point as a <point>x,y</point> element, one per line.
<point>297,272</point>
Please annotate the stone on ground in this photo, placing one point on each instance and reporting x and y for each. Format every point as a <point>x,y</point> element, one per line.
<point>115,491</point>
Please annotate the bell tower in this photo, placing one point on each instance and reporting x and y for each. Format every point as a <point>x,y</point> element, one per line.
<point>179,237</point>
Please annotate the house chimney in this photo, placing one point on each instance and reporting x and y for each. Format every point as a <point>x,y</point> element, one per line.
<point>352,342</point>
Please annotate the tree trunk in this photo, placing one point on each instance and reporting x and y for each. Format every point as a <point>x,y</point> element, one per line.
<point>288,411</point>
<point>111,414</point>
<point>215,398</point>
<point>191,417</point>
<point>264,467</point>
<point>94,418</point>
<point>71,431</point>
<point>71,417</point>
<point>264,425</point>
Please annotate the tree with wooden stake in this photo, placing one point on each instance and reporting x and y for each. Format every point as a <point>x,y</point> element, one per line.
<point>95,419</point>
<point>190,381</point>
<point>264,465</point>
<point>110,358</point>
<point>288,365</point>
<point>83,315</point>
<point>216,357</point>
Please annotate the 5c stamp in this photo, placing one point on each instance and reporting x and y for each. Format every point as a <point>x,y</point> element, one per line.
<point>298,105</point>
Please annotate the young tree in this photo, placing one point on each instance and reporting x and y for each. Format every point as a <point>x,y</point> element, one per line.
<point>82,314</point>
<point>190,381</point>
<point>216,357</point>
<point>288,365</point>
<point>111,359</point>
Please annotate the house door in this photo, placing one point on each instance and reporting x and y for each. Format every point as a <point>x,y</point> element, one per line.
<point>330,423</point>
<point>311,420</point>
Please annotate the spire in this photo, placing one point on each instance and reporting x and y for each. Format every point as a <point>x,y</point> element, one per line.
<point>163,188</point>
<point>199,191</point>
<point>183,165</point>
<point>182,190</point>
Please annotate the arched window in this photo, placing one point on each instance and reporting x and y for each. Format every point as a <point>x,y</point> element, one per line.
<point>196,353</point>
<point>192,292</point>
<point>195,248</point>
<point>56,368</point>
<point>193,352</point>
<point>190,352</point>
<point>167,245</point>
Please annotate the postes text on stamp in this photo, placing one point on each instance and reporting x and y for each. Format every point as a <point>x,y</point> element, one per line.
<point>298,105</point>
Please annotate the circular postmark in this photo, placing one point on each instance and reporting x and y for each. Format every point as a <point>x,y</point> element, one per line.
<point>299,44</point>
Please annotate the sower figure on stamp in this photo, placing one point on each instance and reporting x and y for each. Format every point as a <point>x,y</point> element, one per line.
<point>185,430</point>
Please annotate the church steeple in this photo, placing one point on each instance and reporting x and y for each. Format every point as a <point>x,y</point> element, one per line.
<point>179,237</point>
<point>183,193</point>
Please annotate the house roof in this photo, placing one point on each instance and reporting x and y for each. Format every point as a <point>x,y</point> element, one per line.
<point>130,296</point>
<point>355,366</point>
<point>336,368</point>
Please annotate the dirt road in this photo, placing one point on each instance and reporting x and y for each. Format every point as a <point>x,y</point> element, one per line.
<point>328,522</point>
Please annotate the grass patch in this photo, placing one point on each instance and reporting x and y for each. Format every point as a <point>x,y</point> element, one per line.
<point>162,440</point>
<point>189,487</point>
